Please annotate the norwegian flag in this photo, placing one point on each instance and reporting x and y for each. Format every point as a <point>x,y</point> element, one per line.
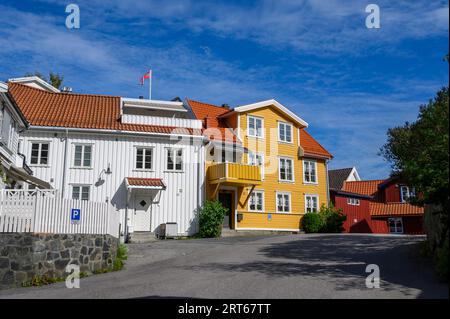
<point>147,75</point>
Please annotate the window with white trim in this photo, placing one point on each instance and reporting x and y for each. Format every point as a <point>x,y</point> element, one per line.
<point>80,192</point>
<point>406,193</point>
<point>286,169</point>
<point>144,158</point>
<point>256,159</point>
<point>255,126</point>
<point>283,202</point>
<point>284,132</point>
<point>256,201</point>
<point>82,155</point>
<point>395,225</point>
<point>309,171</point>
<point>353,201</point>
<point>39,153</point>
<point>174,159</point>
<point>311,203</point>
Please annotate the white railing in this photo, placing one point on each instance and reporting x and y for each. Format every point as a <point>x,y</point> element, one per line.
<point>162,121</point>
<point>41,211</point>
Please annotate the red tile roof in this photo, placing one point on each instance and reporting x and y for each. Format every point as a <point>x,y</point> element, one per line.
<point>362,187</point>
<point>214,128</point>
<point>149,182</point>
<point>394,209</point>
<point>42,108</point>
<point>311,146</point>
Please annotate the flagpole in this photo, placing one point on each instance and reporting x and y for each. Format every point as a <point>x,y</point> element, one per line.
<point>150,85</point>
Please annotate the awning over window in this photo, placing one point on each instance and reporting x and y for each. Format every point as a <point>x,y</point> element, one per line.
<point>145,183</point>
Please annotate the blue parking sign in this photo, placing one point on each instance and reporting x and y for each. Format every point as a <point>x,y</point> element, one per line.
<point>75,214</point>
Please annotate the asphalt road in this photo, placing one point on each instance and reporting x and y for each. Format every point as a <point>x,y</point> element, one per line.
<point>285,266</point>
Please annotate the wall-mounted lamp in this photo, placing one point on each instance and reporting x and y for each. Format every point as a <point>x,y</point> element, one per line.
<point>108,170</point>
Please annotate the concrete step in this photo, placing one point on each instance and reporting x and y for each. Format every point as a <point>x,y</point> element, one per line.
<point>142,237</point>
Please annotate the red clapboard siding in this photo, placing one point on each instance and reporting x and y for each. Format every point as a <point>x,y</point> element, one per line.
<point>392,194</point>
<point>358,217</point>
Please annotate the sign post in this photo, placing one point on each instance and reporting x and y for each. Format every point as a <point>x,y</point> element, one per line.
<point>75,215</point>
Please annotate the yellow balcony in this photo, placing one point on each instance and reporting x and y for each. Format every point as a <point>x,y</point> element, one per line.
<point>234,173</point>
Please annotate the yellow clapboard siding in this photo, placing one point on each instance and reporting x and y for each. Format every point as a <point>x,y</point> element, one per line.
<point>277,221</point>
<point>272,150</point>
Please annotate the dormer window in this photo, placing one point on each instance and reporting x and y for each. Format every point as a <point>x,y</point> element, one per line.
<point>407,193</point>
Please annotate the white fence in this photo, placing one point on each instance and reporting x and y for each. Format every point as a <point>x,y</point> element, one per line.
<point>42,211</point>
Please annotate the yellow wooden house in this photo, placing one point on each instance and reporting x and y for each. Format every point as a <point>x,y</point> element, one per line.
<point>262,165</point>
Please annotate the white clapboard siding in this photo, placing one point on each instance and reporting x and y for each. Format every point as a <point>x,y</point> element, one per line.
<point>162,121</point>
<point>41,213</point>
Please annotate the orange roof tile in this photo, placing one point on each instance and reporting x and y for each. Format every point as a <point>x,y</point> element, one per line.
<point>362,187</point>
<point>311,146</point>
<point>394,209</point>
<point>213,113</point>
<point>42,108</point>
<point>214,128</point>
<point>149,182</point>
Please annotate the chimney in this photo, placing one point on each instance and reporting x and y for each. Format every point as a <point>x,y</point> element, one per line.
<point>206,122</point>
<point>226,106</point>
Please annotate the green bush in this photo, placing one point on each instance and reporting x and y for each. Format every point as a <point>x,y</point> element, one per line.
<point>311,223</point>
<point>211,219</point>
<point>332,219</point>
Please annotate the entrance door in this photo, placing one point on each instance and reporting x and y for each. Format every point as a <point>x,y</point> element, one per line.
<point>226,199</point>
<point>395,225</point>
<point>142,212</point>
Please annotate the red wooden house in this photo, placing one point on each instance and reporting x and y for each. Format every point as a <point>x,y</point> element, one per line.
<point>375,206</point>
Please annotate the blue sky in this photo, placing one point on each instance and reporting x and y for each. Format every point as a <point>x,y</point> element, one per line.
<point>348,82</point>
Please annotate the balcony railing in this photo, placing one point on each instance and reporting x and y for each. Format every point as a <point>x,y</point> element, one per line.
<point>234,173</point>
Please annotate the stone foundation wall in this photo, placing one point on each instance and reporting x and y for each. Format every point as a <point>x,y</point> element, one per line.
<point>25,255</point>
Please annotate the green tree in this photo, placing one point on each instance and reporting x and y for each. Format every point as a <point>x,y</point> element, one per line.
<point>54,79</point>
<point>419,152</point>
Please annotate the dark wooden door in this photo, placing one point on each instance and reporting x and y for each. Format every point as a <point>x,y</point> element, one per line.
<point>226,199</point>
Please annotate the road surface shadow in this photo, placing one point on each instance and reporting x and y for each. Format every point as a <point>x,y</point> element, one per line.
<point>343,259</point>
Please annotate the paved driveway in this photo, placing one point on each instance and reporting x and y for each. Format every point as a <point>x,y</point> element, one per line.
<point>287,266</point>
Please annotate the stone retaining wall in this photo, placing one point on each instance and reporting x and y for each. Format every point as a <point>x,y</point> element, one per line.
<point>25,255</point>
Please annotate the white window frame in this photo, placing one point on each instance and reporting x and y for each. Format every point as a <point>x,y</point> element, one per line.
<point>40,153</point>
<point>83,145</point>
<point>81,186</point>
<point>290,202</point>
<point>263,201</point>
<point>174,150</point>
<point>315,169</point>
<point>256,118</point>
<point>395,219</point>
<point>255,155</point>
<point>145,148</point>
<point>279,170</point>
<point>286,124</point>
<point>409,191</point>
<point>353,201</point>
<point>306,202</point>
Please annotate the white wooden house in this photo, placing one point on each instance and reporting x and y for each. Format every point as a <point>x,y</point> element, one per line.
<point>14,172</point>
<point>144,156</point>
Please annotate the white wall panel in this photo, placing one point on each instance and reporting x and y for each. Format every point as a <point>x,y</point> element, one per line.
<point>118,150</point>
